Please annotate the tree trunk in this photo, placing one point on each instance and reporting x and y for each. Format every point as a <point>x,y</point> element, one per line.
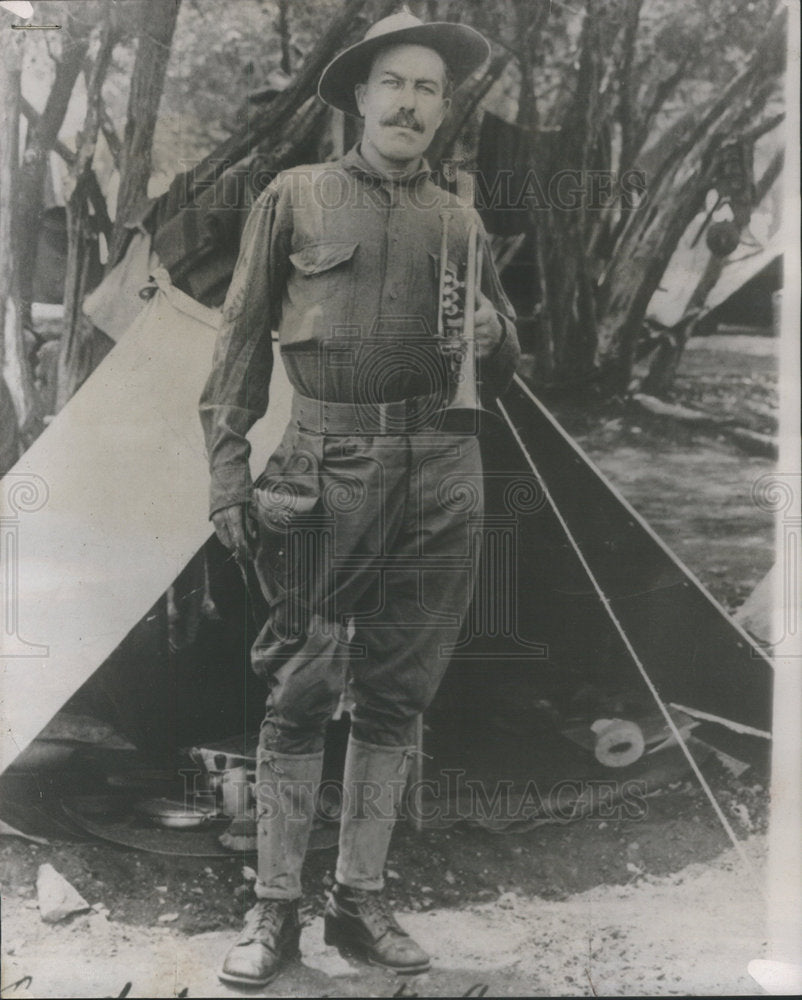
<point>308,121</point>
<point>13,355</point>
<point>666,357</point>
<point>279,118</point>
<point>627,100</point>
<point>529,22</point>
<point>147,82</point>
<point>40,140</point>
<point>71,367</point>
<point>568,303</point>
<point>99,205</point>
<point>465,102</point>
<point>676,193</point>
<point>10,74</point>
<point>283,28</point>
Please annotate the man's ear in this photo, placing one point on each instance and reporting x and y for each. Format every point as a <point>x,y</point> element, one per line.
<point>359,93</point>
<point>444,112</point>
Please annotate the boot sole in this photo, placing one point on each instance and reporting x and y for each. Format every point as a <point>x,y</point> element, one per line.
<point>362,954</point>
<point>255,984</point>
<point>235,980</point>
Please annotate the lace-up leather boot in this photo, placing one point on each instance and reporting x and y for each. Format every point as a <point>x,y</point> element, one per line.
<point>268,941</point>
<point>285,794</point>
<point>357,918</point>
<point>359,922</point>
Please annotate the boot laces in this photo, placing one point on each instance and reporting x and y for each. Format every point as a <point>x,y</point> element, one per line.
<point>266,917</point>
<point>375,911</point>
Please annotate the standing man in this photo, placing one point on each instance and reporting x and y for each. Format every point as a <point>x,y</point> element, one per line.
<point>361,525</point>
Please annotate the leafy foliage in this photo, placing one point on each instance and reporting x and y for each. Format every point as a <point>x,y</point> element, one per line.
<point>617,82</point>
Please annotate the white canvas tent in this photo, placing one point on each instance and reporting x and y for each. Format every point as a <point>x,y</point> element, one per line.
<point>109,505</point>
<point>106,508</point>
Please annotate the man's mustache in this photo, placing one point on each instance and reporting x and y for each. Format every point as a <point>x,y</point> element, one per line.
<point>403,121</point>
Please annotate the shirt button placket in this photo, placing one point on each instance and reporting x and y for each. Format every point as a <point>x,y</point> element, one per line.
<point>394,286</point>
<point>394,247</point>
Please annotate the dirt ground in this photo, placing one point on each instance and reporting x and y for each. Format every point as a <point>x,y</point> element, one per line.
<point>614,940</point>
<point>656,904</point>
<point>695,486</point>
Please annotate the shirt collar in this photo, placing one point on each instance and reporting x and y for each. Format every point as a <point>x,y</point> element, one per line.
<point>356,163</point>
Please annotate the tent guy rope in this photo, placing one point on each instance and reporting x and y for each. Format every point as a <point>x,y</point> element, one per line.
<point>637,661</point>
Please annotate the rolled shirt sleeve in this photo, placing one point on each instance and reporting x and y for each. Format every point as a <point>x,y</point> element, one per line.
<point>268,293</point>
<point>237,391</point>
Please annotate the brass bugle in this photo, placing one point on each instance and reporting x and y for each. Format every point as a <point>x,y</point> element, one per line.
<point>462,411</point>
<point>445,219</point>
<point>466,396</point>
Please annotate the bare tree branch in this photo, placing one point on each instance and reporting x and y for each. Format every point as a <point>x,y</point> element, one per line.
<point>664,89</point>
<point>664,363</point>
<point>113,141</point>
<point>753,134</point>
<point>40,140</point>
<point>96,198</point>
<point>465,103</point>
<point>147,83</point>
<point>267,120</point>
<point>761,74</point>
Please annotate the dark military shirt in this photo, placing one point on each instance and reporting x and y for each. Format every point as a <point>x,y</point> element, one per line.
<point>343,263</point>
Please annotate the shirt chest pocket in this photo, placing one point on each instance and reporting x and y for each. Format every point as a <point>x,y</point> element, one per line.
<point>324,272</point>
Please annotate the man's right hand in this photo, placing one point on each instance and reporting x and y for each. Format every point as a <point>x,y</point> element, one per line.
<point>237,530</point>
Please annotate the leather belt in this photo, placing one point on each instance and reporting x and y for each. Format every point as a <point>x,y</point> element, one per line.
<point>403,416</point>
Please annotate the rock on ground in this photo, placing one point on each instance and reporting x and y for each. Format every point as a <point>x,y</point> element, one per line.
<point>58,899</point>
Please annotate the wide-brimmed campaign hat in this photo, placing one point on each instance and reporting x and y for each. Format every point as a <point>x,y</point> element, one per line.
<point>462,48</point>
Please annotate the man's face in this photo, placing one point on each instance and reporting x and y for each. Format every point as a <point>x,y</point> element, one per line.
<point>403,101</point>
